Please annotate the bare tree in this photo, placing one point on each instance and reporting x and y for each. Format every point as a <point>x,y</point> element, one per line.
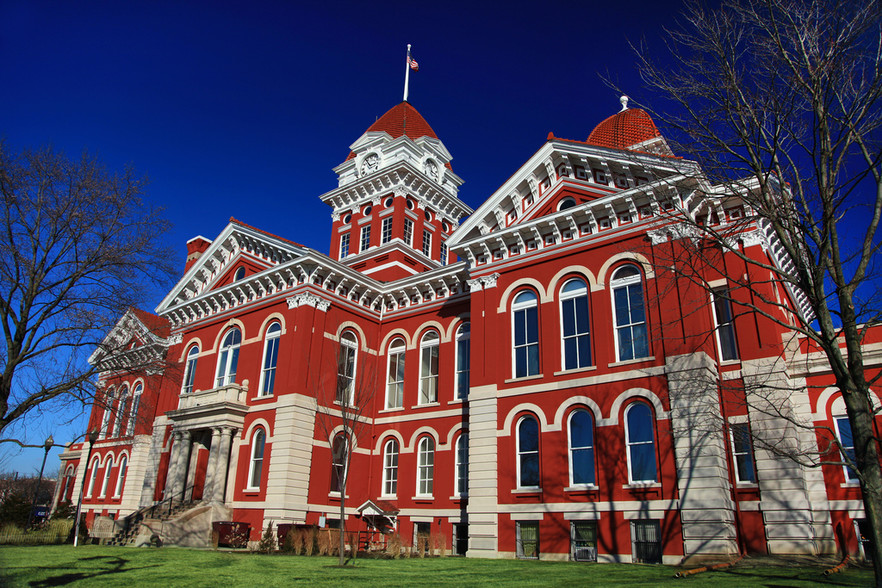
<point>343,401</point>
<point>81,249</point>
<point>779,102</point>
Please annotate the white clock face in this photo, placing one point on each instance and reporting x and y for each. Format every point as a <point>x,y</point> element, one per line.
<point>432,170</point>
<point>370,163</point>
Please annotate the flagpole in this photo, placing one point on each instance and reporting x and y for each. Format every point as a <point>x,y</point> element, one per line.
<point>406,72</point>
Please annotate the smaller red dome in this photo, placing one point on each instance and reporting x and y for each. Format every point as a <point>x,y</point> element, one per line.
<point>624,130</point>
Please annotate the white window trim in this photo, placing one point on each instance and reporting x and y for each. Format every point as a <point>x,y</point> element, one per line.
<point>387,468</point>
<point>364,235</point>
<point>223,377</point>
<point>735,455</point>
<point>408,232</point>
<point>564,296</point>
<point>109,398</point>
<point>395,348</point>
<point>631,480</point>
<point>387,222</point>
<point>573,484</point>
<point>427,243</point>
<point>251,459</point>
<point>457,463</point>
<point>615,284</point>
<point>108,468</point>
<point>133,410</point>
<point>518,450</point>
<point>421,468</point>
<point>190,369</point>
<point>462,338</point>
<point>350,342</point>
<point>121,476</point>
<point>848,479</point>
<point>344,245</point>
<point>117,429</point>
<point>92,475</point>
<point>515,308</point>
<point>271,336</point>
<point>426,343</point>
<point>717,326</point>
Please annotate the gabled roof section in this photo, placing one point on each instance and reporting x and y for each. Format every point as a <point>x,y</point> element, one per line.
<point>133,341</point>
<point>237,240</point>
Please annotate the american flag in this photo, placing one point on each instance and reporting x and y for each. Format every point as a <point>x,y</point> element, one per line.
<point>413,64</point>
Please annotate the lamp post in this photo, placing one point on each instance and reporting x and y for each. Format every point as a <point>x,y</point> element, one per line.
<point>92,436</point>
<point>46,447</point>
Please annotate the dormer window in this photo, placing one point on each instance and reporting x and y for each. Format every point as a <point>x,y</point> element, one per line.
<point>367,210</point>
<point>347,219</point>
<point>388,202</point>
<point>410,204</point>
<point>567,202</point>
<point>428,216</point>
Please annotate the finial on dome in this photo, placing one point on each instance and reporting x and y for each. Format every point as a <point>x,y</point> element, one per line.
<point>624,101</point>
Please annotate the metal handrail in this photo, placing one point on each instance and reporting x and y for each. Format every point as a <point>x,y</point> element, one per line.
<point>148,512</point>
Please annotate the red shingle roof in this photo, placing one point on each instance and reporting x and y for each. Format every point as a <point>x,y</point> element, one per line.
<point>624,129</point>
<point>157,325</point>
<point>401,120</point>
<point>267,233</point>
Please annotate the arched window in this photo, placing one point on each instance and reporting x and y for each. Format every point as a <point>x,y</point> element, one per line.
<point>567,202</point>
<point>525,326</point>
<point>107,472</point>
<point>528,452</point>
<point>425,466</point>
<point>256,470</point>
<point>240,273</point>
<point>346,364</point>
<point>630,313</point>
<point>270,357</point>
<point>108,410</point>
<point>640,439</point>
<point>121,476</point>
<point>133,412</point>
<point>846,446</point>
<point>340,462</point>
<point>429,368</point>
<point>581,441</point>
<point>229,358</point>
<point>574,325</point>
<point>390,468</point>
<point>93,474</point>
<point>67,484</point>
<point>122,408</point>
<point>462,464</point>
<point>190,370</point>
<point>395,380</point>
<point>463,352</point>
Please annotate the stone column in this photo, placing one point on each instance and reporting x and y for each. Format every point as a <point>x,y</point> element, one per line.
<point>183,463</point>
<point>173,459</point>
<point>211,470</point>
<point>223,464</point>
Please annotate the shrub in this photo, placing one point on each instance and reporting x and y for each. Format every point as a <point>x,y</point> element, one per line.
<point>442,544</point>
<point>310,538</point>
<point>422,544</point>
<point>324,542</point>
<point>64,510</point>
<point>15,509</point>
<point>267,543</point>
<point>353,543</point>
<point>393,546</point>
<point>289,542</point>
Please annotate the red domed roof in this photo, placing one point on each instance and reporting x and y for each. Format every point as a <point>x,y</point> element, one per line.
<point>624,130</point>
<point>401,120</point>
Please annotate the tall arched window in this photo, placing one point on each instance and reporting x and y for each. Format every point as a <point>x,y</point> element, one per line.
<point>395,379</point>
<point>255,471</point>
<point>340,461</point>
<point>121,476</point>
<point>229,358</point>
<point>462,464</point>
<point>574,325</point>
<point>346,364</point>
<point>93,475</point>
<point>270,357</point>
<point>190,370</point>
<point>463,351</point>
<point>528,452</point>
<point>122,407</point>
<point>525,327</point>
<point>630,313</point>
<point>108,410</point>
<point>425,466</point>
<point>429,368</point>
<point>390,468</point>
<point>640,439</point>
<point>107,471</point>
<point>581,440</point>
<point>67,484</point>
<point>133,412</point>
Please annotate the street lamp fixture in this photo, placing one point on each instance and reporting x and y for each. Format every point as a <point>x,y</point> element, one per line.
<point>46,447</point>
<point>91,436</point>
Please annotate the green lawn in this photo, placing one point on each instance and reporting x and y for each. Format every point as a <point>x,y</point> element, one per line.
<point>169,566</point>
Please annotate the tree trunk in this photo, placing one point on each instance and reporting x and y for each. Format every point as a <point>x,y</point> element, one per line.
<point>343,519</point>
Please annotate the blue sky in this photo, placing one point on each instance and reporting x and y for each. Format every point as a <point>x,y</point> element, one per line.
<point>242,109</point>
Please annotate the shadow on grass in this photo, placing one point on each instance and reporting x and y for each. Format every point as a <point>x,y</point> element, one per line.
<point>108,565</point>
